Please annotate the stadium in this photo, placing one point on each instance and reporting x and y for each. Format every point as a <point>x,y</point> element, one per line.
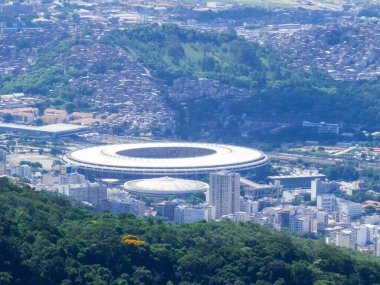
<point>157,159</point>
<point>164,187</point>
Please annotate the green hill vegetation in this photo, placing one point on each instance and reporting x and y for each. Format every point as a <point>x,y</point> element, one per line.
<point>281,92</point>
<point>45,240</point>
<point>169,52</point>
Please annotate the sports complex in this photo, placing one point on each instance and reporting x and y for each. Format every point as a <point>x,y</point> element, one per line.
<point>157,159</point>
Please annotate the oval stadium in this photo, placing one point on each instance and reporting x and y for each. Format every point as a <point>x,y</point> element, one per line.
<point>163,187</point>
<point>157,159</point>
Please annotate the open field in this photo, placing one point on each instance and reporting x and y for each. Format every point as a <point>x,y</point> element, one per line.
<point>45,160</point>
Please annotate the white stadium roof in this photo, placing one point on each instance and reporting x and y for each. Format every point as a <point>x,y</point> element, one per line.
<point>165,186</point>
<point>166,158</point>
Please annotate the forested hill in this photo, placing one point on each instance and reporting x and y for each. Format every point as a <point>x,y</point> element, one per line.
<point>45,240</point>
<point>281,92</point>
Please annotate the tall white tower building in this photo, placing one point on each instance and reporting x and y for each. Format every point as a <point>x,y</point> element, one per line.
<point>224,193</point>
<point>3,162</point>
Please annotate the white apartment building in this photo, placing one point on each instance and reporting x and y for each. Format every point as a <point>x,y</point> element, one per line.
<point>327,202</point>
<point>187,214</point>
<point>93,193</point>
<point>351,209</point>
<point>24,171</point>
<point>224,193</point>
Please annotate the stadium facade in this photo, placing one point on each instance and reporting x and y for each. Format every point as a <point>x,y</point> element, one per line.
<point>174,159</point>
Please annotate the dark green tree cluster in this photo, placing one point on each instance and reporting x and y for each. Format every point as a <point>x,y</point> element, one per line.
<point>45,240</point>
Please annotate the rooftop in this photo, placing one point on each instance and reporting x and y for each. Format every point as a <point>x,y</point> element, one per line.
<point>52,129</point>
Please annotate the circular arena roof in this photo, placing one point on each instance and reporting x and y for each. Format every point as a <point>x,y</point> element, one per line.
<point>166,158</point>
<point>163,186</point>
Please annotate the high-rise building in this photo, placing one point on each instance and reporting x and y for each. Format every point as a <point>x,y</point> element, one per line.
<point>224,193</point>
<point>3,155</point>
<point>282,219</point>
<point>3,162</point>
<point>319,187</point>
<point>376,242</point>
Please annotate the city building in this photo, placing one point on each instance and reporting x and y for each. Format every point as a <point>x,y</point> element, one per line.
<point>376,242</point>
<point>295,181</point>
<point>129,206</point>
<point>300,224</point>
<point>3,162</point>
<point>344,239</point>
<point>319,187</point>
<point>24,171</point>
<point>224,193</point>
<point>184,214</point>
<point>327,202</point>
<point>323,127</point>
<point>54,116</point>
<point>166,209</point>
<point>282,219</point>
<point>351,209</point>
<point>237,217</point>
<point>257,191</point>
<point>92,193</point>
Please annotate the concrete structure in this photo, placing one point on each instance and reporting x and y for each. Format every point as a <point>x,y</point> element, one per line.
<point>188,214</point>
<point>48,179</point>
<point>166,210</point>
<point>158,159</point>
<point>343,239</point>
<point>20,115</point>
<point>282,219</point>
<point>165,187</point>
<point>376,242</point>
<point>323,127</point>
<point>292,181</point>
<point>24,171</point>
<point>319,187</point>
<point>54,130</point>
<point>351,209</point>
<point>224,193</point>
<point>54,116</point>
<point>300,224</point>
<point>237,217</point>
<point>71,178</point>
<point>327,202</point>
<point>93,193</point>
<point>3,162</point>
<point>257,191</point>
<point>130,206</point>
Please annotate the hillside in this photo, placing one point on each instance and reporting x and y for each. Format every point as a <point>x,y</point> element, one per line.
<point>281,93</point>
<point>45,240</point>
<point>73,73</point>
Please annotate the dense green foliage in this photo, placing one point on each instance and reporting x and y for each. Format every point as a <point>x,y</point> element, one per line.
<point>170,52</point>
<point>45,240</point>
